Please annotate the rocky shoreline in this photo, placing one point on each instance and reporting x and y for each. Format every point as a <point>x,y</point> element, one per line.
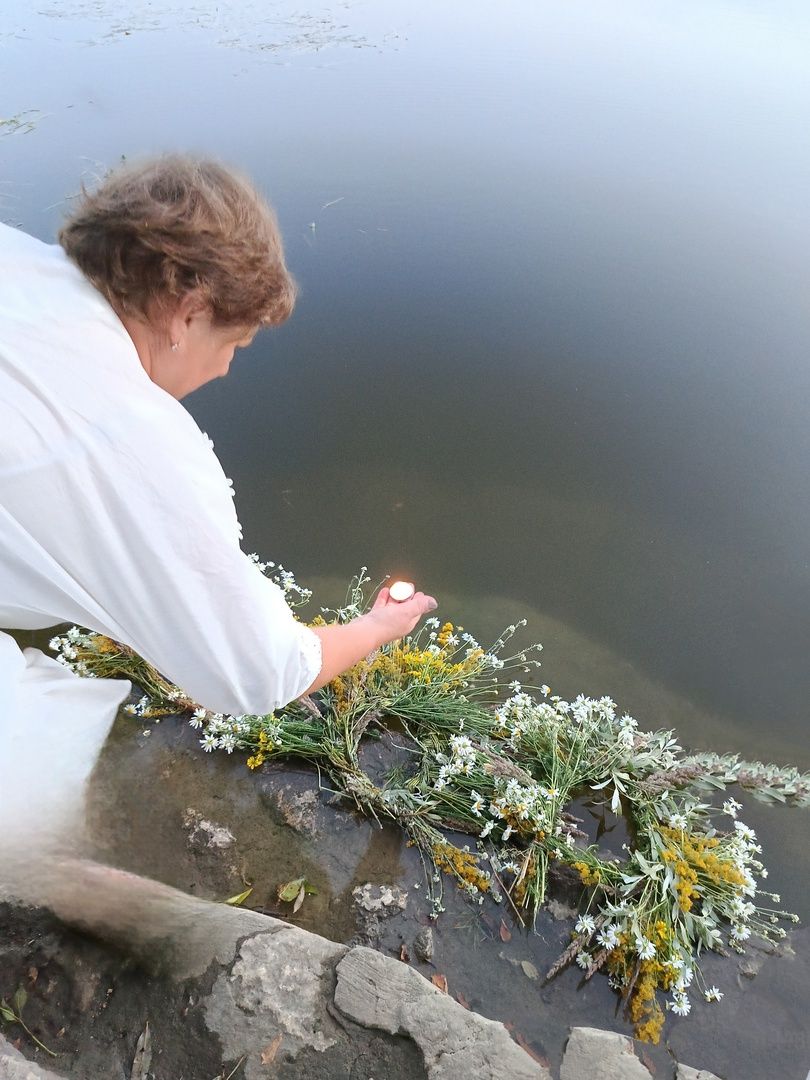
<point>248,996</point>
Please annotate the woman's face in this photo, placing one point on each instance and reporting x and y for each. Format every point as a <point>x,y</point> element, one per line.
<point>207,350</point>
<point>195,352</point>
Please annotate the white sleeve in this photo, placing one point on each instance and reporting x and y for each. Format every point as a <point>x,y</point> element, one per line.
<point>193,604</point>
<point>134,534</point>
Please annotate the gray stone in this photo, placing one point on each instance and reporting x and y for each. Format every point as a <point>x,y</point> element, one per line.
<point>685,1073</point>
<point>423,944</point>
<point>280,984</point>
<point>297,809</point>
<point>377,992</point>
<point>14,1066</point>
<point>380,899</point>
<point>373,904</point>
<point>206,832</point>
<point>749,967</point>
<point>592,1054</point>
<point>560,911</point>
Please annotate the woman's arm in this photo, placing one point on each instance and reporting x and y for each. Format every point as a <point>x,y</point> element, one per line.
<point>343,646</point>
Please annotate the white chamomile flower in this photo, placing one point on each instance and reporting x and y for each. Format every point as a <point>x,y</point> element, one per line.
<point>585,924</point>
<point>680,1005</point>
<point>608,937</point>
<point>197,717</point>
<point>477,803</point>
<point>228,742</point>
<point>645,948</point>
<point>208,742</point>
<point>731,806</point>
<point>583,960</point>
<point>713,994</point>
<point>487,829</point>
<point>745,832</point>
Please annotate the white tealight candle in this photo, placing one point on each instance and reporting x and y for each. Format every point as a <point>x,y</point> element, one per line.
<point>401,590</point>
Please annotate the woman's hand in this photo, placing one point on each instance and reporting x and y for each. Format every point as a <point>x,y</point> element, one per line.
<point>394,618</point>
<point>343,645</point>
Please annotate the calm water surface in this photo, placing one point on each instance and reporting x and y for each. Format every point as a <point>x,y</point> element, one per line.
<point>552,352</point>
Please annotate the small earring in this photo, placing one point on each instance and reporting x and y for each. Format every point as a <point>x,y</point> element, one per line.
<point>175,346</point>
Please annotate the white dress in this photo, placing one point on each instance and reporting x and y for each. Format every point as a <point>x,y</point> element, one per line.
<point>115,514</point>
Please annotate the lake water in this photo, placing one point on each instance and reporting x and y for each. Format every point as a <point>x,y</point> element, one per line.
<point>552,352</point>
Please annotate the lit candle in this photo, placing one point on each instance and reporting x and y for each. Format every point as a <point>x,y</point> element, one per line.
<point>401,590</point>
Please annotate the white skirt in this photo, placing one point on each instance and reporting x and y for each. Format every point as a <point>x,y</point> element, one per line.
<point>53,725</point>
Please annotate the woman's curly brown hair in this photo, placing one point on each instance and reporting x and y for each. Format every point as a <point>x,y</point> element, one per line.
<point>153,232</point>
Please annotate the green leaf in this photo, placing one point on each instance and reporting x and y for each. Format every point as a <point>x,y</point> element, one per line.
<point>236,901</point>
<point>20,998</point>
<point>290,890</point>
<point>7,1013</point>
<point>310,890</point>
<point>650,869</point>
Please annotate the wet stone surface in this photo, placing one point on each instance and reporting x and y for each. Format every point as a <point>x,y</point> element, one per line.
<point>373,904</point>
<point>162,808</point>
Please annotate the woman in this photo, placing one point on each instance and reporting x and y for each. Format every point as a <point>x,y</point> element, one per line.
<point>114,511</point>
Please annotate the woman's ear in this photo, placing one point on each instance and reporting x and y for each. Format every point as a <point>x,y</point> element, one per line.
<point>191,306</point>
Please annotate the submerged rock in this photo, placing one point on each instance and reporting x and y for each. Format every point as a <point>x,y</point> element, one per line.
<point>206,833</point>
<point>380,899</point>
<point>423,944</point>
<point>373,903</point>
<point>560,911</point>
<point>291,807</point>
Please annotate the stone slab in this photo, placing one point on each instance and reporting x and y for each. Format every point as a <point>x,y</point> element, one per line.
<point>13,1066</point>
<point>686,1073</point>
<point>592,1054</point>
<point>378,992</point>
<point>280,984</point>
